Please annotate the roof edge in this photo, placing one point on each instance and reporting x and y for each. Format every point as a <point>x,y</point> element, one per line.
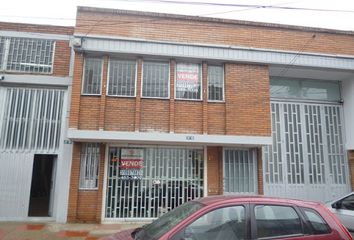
<point>210,19</point>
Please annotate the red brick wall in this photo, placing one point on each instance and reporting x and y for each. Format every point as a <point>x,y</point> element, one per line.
<point>62,53</point>
<point>188,117</point>
<point>192,31</point>
<point>120,114</point>
<point>351,167</point>
<point>215,171</point>
<point>89,112</point>
<point>85,205</point>
<point>247,100</point>
<point>154,115</point>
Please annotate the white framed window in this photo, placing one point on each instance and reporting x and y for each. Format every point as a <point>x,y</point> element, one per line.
<point>26,55</point>
<point>156,79</point>
<point>122,78</point>
<point>89,165</point>
<point>215,83</point>
<point>188,81</point>
<point>92,76</point>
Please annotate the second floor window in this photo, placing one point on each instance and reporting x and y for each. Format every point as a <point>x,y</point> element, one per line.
<point>26,54</point>
<point>155,79</point>
<point>121,78</point>
<point>188,81</point>
<point>92,76</point>
<point>215,83</point>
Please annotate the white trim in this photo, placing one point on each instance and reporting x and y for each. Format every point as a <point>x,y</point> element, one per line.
<point>47,36</point>
<point>205,176</point>
<point>142,78</point>
<point>218,52</point>
<point>166,138</point>
<point>35,79</point>
<point>83,77</point>
<point>223,83</point>
<point>104,192</point>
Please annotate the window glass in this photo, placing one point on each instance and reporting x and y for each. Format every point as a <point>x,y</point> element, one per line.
<point>348,203</point>
<point>273,221</point>
<point>305,89</point>
<point>318,224</point>
<point>121,78</point>
<point>90,155</point>
<point>188,81</point>
<point>216,83</point>
<point>223,223</point>
<point>155,79</point>
<point>92,76</point>
<point>2,49</point>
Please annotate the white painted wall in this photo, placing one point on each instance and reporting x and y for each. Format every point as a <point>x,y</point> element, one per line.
<point>348,97</point>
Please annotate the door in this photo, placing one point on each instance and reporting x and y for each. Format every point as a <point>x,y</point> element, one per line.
<point>307,159</point>
<point>41,186</point>
<point>240,171</point>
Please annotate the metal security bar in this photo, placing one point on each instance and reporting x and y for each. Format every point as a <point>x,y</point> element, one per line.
<point>169,177</point>
<point>216,83</point>
<point>335,150</point>
<point>32,119</point>
<point>121,78</point>
<point>26,54</point>
<point>89,165</point>
<point>155,79</point>
<point>273,164</point>
<point>240,171</point>
<point>92,76</point>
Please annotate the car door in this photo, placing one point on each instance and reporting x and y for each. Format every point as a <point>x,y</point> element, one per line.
<point>228,222</point>
<point>282,222</point>
<point>345,211</point>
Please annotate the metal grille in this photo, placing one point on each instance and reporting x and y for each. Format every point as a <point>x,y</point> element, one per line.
<point>240,171</point>
<point>216,83</point>
<point>335,144</point>
<point>121,78</point>
<point>92,76</point>
<point>155,79</point>
<point>26,54</point>
<point>32,119</point>
<point>89,165</point>
<point>315,144</point>
<point>170,177</point>
<point>273,154</point>
<point>293,144</point>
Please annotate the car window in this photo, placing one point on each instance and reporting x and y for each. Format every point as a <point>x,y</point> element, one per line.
<point>318,224</point>
<point>220,224</point>
<point>275,221</point>
<point>348,203</point>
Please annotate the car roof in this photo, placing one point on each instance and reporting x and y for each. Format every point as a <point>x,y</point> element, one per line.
<point>227,199</point>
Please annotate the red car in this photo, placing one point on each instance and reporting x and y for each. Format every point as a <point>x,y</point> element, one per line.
<point>231,217</point>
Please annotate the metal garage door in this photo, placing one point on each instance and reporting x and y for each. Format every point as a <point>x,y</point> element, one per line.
<point>307,159</point>
<point>145,182</point>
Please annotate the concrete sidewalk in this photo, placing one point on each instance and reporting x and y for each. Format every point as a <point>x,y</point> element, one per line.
<point>56,231</point>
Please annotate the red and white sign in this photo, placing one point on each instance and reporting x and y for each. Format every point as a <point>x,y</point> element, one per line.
<point>131,163</point>
<point>187,77</point>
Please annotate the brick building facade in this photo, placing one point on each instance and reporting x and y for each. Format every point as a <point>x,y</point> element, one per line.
<point>194,102</point>
<point>35,89</point>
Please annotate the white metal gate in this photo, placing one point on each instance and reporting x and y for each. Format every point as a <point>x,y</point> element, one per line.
<point>168,178</point>
<point>307,159</point>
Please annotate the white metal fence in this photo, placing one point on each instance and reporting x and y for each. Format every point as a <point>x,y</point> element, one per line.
<point>170,177</point>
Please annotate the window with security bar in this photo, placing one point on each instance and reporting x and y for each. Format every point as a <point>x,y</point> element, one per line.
<point>188,81</point>
<point>121,79</point>
<point>215,83</point>
<point>92,76</point>
<point>155,83</point>
<point>89,166</point>
<point>26,55</point>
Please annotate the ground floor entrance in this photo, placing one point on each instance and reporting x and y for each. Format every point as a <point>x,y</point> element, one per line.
<point>308,157</point>
<point>146,182</point>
